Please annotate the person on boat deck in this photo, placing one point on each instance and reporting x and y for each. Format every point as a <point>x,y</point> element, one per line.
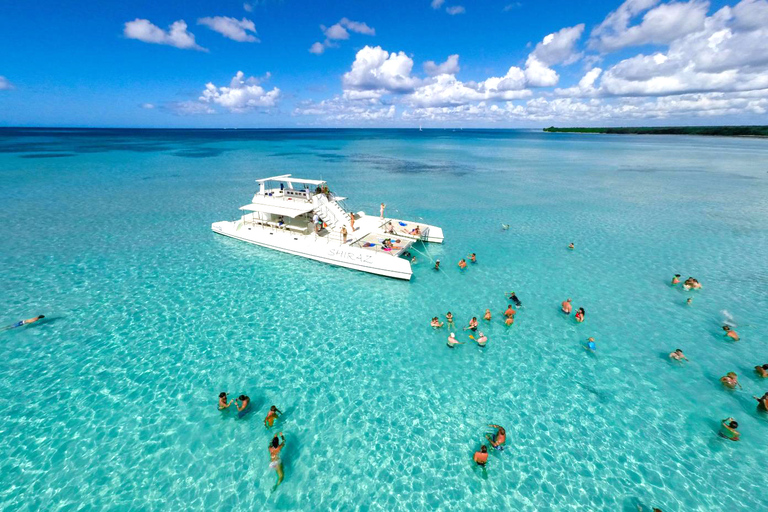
<point>730,380</point>
<point>24,322</point>
<point>481,457</point>
<point>678,355</point>
<point>316,222</point>
<point>437,265</point>
<point>387,243</point>
<point>473,258</point>
<point>566,306</point>
<point>281,186</point>
<point>762,371</point>
<point>728,430</point>
<point>487,315</point>
<point>416,230</point>
<point>498,440</point>
<point>242,403</point>
<point>472,324</point>
<point>436,323</point>
<point>381,211</point>
<point>352,221</point>
<point>762,402</point>
<point>281,220</point>
<point>730,333</point>
<point>223,404</point>
<point>390,228</point>
<point>272,415</point>
<point>676,279</point>
<point>449,319</point>
<point>344,234</point>
<point>462,264</point>
<point>274,457</point>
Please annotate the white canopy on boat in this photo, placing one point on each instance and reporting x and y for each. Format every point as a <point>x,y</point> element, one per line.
<point>290,209</point>
<point>287,178</point>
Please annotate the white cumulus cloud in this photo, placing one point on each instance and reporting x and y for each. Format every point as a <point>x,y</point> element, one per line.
<point>241,95</point>
<point>375,69</point>
<point>436,4</point>
<point>340,32</point>
<point>455,9</point>
<point>232,28</point>
<point>559,47</point>
<point>450,66</point>
<point>176,35</point>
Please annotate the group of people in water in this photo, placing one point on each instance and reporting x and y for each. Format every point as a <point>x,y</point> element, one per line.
<point>243,405</point>
<point>728,426</point>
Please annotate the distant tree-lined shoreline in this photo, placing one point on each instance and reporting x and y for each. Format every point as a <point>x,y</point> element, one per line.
<point>723,131</point>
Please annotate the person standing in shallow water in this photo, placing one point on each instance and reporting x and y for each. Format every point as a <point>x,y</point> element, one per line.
<point>580,314</point>
<point>275,446</point>
<point>566,306</point>
<point>481,457</point>
<point>242,403</point>
<point>223,404</point>
<point>762,402</point>
<point>272,415</point>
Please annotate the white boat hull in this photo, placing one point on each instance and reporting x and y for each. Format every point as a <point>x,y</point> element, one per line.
<point>317,248</point>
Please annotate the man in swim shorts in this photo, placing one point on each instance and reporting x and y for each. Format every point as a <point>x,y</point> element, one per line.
<point>498,440</point>
<point>481,457</point>
<point>275,446</point>
<point>21,323</point>
<point>566,306</point>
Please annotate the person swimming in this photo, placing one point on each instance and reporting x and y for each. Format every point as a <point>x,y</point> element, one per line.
<point>498,440</point>
<point>591,344</point>
<point>462,264</point>
<point>566,306</point>
<point>689,301</point>
<point>514,299</point>
<point>272,415</point>
<point>242,403</point>
<point>437,265</point>
<point>21,323</point>
<point>481,457</point>
<point>762,402</point>
<point>728,429</point>
<point>571,246</point>
<point>482,339</point>
<point>730,380</point>
<point>676,279</point>
<point>691,284</point>
<point>730,333</point>
<point>275,446</point>
<point>509,320</point>
<point>762,370</point>
<point>223,404</point>
<point>509,311</point>
<point>580,314</point>
<point>449,319</point>
<point>487,315</point>
<point>678,355</point>
<point>473,258</point>
<point>452,341</point>
<point>436,323</point>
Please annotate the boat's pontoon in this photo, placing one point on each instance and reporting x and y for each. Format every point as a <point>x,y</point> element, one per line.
<point>281,214</point>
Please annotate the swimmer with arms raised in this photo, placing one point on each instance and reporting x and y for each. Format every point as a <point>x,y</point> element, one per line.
<point>274,457</point>
<point>21,323</point>
<point>498,440</point>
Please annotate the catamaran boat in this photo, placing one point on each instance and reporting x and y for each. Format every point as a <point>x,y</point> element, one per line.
<point>303,217</point>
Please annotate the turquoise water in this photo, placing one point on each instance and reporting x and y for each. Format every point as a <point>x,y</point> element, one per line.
<point>110,403</point>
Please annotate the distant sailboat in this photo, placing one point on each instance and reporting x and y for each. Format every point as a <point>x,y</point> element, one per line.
<point>420,129</point>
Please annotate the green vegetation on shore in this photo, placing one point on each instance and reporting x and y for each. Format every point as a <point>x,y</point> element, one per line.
<point>723,131</point>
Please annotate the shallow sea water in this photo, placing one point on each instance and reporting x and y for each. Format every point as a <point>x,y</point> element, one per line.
<point>110,403</point>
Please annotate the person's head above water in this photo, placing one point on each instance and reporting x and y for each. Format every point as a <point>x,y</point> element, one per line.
<point>733,424</point>
<point>273,408</point>
<point>765,366</point>
<point>453,335</point>
<point>726,328</point>
<point>223,394</point>
<point>243,397</point>
<point>678,351</point>
<point>483,449</point>
<point>275,442</point>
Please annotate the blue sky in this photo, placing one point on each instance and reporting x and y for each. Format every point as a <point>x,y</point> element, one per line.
<point>466,63</point>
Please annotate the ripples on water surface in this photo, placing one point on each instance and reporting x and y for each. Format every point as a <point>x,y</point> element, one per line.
<point>110,403</point>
